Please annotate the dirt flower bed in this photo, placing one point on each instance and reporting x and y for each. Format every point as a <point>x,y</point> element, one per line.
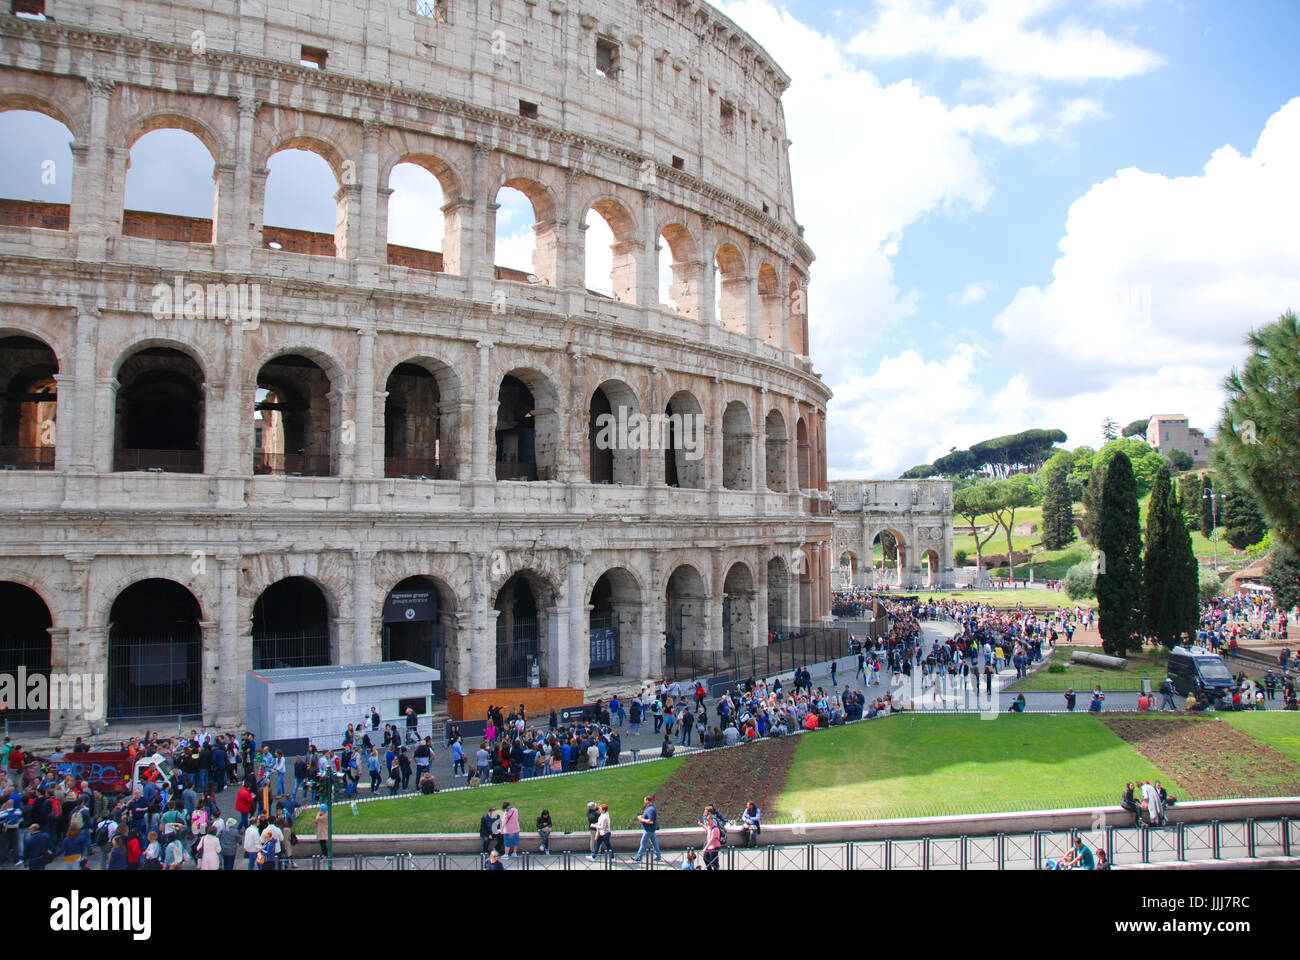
<point>1209,759</point>
<point>728,777</point>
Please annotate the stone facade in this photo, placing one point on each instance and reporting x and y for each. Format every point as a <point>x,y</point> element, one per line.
<point>919,513</point>
<point>418,415</point>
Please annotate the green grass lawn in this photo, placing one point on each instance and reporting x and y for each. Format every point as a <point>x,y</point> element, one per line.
<point>1038,599</point>
<point>1279,729</point>
<point>565,797</point>
<point>934,765</point>
<point>1082,678</point>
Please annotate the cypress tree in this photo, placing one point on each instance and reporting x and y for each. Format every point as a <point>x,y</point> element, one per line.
<point>1155,561</point>
<point>1119,538</point>
<point>1058,512</point>
<point>1207,507</point>
<point>1191,491</point>
<point>1239,515</point>
<point>1180,609</point>
<point>1092,502</point>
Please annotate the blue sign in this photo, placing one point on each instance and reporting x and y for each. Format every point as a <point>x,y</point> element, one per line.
<point>604,647</point>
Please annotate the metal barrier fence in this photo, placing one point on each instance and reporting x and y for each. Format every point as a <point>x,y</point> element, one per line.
<point>1125,846</point>
<point>813,643</point>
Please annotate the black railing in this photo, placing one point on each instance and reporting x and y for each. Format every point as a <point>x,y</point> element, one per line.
<point>413,468</point>
<point>1216,840</point>
<point>812,644</point>
<point>27,458</point>
<point>157,461</point>
<point>292,464</point>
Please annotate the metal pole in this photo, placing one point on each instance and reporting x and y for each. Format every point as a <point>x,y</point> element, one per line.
<point>1250,837</point>
<point>1215,849</point>
<point>1285,824</point>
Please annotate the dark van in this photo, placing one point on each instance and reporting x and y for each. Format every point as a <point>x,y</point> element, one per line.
<point>1200,672</point>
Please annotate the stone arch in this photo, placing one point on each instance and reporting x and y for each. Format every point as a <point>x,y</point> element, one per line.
<point>294,625</point>
<point>894,571</point>
<point>418,617</point>
<point>422,420</point>
<point>686,598</point>
<point>25,643</point>
<point>28,403</point>
<point>616,599</point>
<point>624,249</point>
<point>679,258</point>
<point>526,426</point>
<point>296,411</point>
<point>798,293</point>
<point>159,408</point>
<point>770,313</point>
<point>804,454</point>
<point>731,288</point>
<point>684,453</point>
<point>525,604</point>
<point>737,447</point>
<point>155,646</point>
<point>933,567</point>
<point>146,212</point>
<point>775,448</point>
<point>739,608</point>
<point>616,434</point>
<point>546,252</point>
<point>292,239</point>
<point>30,128</point>
<point>170,119</point>
<point>52,108</point>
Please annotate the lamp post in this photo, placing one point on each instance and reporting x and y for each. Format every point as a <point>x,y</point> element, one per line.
<point>1214,498</point>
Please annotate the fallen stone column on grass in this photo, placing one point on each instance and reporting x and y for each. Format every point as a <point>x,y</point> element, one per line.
<point>1090,659</point>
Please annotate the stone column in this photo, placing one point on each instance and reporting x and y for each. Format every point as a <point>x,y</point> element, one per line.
<point>751,290</point>
<point>795,615</point>
<point>647,275</point>
<point>227,459</point>
<point>92,179</point>
<point>483,444</point>
<point>714,431</point>
<point>708,295</point>
<point>655,615</point>
<point>786,304</point>
<point>579,624</point>
<point>364,639</point>
<point>717,580</point>
<point>82,426</point>
<point>760,448</point>
<point>209,664</point>
<point>234,230</point>
<point>463,652</point>
<point>483,637</point>
<point>235,649</point>
<point>762,627</point>
<point>347,230</point>
<point>105,429</point>
<point>371,245</point>
<point>364,425</point>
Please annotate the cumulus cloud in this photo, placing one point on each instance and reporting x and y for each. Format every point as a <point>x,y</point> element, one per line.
<point>1158,281</point>
<point>970,294</point>
<point>999,35</point>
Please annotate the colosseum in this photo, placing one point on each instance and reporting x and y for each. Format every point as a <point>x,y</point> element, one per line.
<point>230,444</point>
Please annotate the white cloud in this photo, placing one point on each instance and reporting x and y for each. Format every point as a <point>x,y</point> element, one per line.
<point>970,294</point>
<point>1158,281</point>
<point>998,34</point>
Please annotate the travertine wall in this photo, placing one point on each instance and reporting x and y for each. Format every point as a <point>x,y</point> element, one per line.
<point>400,86</point>
<point>919,513</point>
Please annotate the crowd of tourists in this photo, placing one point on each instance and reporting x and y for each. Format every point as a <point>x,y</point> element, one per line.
<point>50,817</point>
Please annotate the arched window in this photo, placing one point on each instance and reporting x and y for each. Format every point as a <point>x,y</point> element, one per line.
<point>160,412</point>
<point>303,210</point>
<point>170,193</point>
<point>36,179</point>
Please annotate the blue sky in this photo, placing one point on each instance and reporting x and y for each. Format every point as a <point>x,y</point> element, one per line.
<point>1026,212</point>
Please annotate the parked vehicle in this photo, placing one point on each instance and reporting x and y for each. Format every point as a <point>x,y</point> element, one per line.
<point>1197,671</point>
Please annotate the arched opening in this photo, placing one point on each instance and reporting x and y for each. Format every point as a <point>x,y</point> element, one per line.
<point>421,416</point>
<point>417,226</point>
<point>776,454</point>
<point>806,613</point>
<point>28,404</point>
<point>849,571</point>
<point>888,558</point>
<point>291,626</point>
<point>610,249</point>
<point>293,419</point>
<point>798,314</point>
<point>778,597</point>
<point>154,652</point>
<point>684,451</point>
<point>685,638</point>
<point>617,434</point>
<point>737,447</point>
<point>615,617</point>
<point>730,286</point>
<point>524,245</point>
<point>739,618</point>
<point>520,629</point>
<point>679,271</point>
<point>25,645</point>
<point>804,453</point>
<point>37,186</point>
<point>933,572</point>
<point>303,211</point>
<point>170,190</point>
<point>769,305</point>
<point>418,621</point>
<point>160,412</point>
<point>526,427</point>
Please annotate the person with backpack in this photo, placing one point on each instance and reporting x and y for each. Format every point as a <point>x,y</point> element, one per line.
<point>712,838</point>
<point>634,717</point>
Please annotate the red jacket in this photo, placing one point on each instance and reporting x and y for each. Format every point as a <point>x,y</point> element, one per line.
<point>244,801</point>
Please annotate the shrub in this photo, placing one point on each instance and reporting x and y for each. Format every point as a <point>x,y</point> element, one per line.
<point>1209,584</point>
<point>1081,581</point>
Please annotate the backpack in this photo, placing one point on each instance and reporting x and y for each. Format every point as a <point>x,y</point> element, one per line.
<point>721,821</point>
<point>101,835</point>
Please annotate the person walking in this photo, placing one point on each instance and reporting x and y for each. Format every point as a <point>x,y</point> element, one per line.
<point>712,838</point>
<point>649,820</point>
<point>1167,695</point>
<point>604,833</point>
